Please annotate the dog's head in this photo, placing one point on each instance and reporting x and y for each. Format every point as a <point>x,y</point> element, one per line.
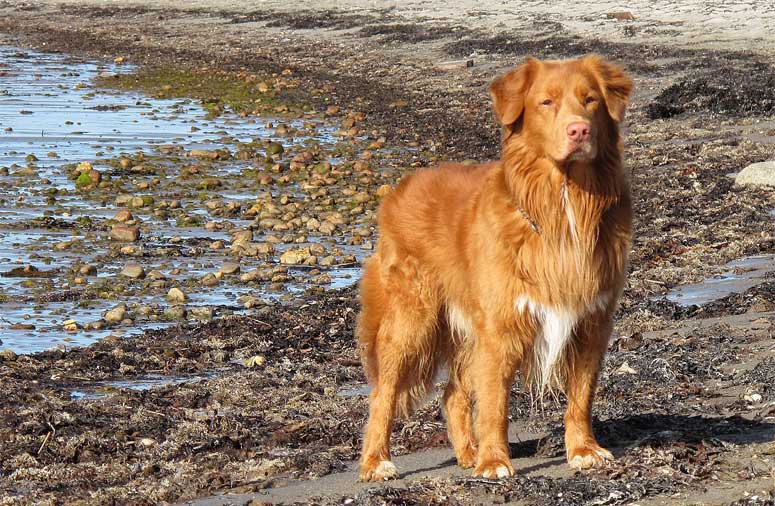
<point>563,110</point>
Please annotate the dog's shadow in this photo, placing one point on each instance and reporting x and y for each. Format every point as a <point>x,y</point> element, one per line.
<point>653,429</point>
<point>622,435</point>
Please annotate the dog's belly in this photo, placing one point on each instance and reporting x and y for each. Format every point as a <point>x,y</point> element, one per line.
<point>554,332</point>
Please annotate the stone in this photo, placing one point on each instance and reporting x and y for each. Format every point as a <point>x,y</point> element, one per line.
<point>175,313</point>
<point>70,325</point>
<point>123,215</point>
<point>133,271</point>
<point>117,314</point>
<point>176,295</point>
<point>230,268</point>
<point>760,174</point>
<point>294,256</point>
<point>124,233</point>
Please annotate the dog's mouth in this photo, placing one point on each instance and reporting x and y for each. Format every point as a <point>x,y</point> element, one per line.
<point>579,151</point>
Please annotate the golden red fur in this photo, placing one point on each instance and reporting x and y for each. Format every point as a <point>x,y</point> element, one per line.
<point>510,265</point>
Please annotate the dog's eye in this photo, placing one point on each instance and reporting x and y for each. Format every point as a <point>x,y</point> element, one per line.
<point>589,100</point>
<point>547,102</point>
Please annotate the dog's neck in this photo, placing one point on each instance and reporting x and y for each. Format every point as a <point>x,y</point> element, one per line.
<point>561,200</point>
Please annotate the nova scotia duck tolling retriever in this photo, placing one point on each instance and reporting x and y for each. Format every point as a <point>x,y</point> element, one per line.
<point>512,265</point>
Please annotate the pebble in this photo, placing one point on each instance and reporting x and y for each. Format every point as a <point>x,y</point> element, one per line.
<point>123,215</point>
<point>70,325</point>
<point>8,355</point>
<point>117,314</point>
<point>230,268</point>
<point>209,279</point>
<point>124,233</point>
<point>176,295</point>
<point>175,313</point>
<point>133,271</point>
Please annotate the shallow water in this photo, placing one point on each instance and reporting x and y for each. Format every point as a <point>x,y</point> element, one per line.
<point>52,115</point>
<point>740,276</point>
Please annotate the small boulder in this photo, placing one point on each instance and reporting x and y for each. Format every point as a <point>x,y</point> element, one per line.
<point>760,174</point>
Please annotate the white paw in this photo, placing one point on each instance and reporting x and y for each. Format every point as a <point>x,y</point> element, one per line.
<point>502,472</point>
<point>386,470</point>
<point>595,458</point>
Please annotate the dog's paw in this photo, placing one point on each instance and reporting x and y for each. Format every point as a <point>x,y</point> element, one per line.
<point>378,471</point>
<point>466,458</point>
<point>588,456</point>
<point>494,469</point>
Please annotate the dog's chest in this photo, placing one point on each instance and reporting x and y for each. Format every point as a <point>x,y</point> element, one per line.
<point>554,330</point>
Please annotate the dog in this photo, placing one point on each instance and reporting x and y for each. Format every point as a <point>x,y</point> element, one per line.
<point>512,265</point>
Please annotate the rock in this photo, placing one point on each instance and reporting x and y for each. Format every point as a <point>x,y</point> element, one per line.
<point>201,312</point>
<point>8,355</point>
<point>327,261</point>
<point>156,275</point>
<point>293,257</point>
<point>625,369</point>
<point>175,313</point>
<point>383,191</point>
<point>203,153</point>
<point>254,361</point>
<point>87,270</point>
<point>209,279</point>
<point>757,175</point>
<point>133,271</point>
<point>123,215</point>
<point>124,233</point>
<point>274,148</point>
<point>230,268</point>
<point>176,295</point>
<point>21,326</point>
<point>70,325</point>
<point>117,314</point>
<point>327,228</point>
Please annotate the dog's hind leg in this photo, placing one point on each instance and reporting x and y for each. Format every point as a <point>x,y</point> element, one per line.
<point>582,369</point>
<point>457,406</point>
<point>397,330</point>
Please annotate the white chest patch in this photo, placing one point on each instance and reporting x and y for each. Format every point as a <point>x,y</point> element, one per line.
<point>555,332</point>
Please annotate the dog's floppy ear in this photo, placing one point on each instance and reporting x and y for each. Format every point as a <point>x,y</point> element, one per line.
<point>614,84</point>
<point>508,92</point>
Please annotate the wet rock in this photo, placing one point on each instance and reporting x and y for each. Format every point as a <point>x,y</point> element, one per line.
<point>95,325</point>
<point>757,175</point>
<point>176,295</point>
<point>229,268</point>
<point>21,326</point>
<point>27,271</point>
<point>70,326</point>
<point>133,271</point>
<point>327,228</point>
<point>204,153</point>
<point>175,313</point>
<point>274,148</point>
<point>117,314</point>
<point>328,260</point>
<point>208,279</point>
<point>294,256</point>
<point>87,270</point>
<point>383,191</point>
<point>123,215</point>
<point>124,233</point>
<point>8,355</point>
<point>201,312</point>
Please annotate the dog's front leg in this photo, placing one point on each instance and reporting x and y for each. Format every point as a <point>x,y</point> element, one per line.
<point>492,372</point>
<point>591,342</point>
